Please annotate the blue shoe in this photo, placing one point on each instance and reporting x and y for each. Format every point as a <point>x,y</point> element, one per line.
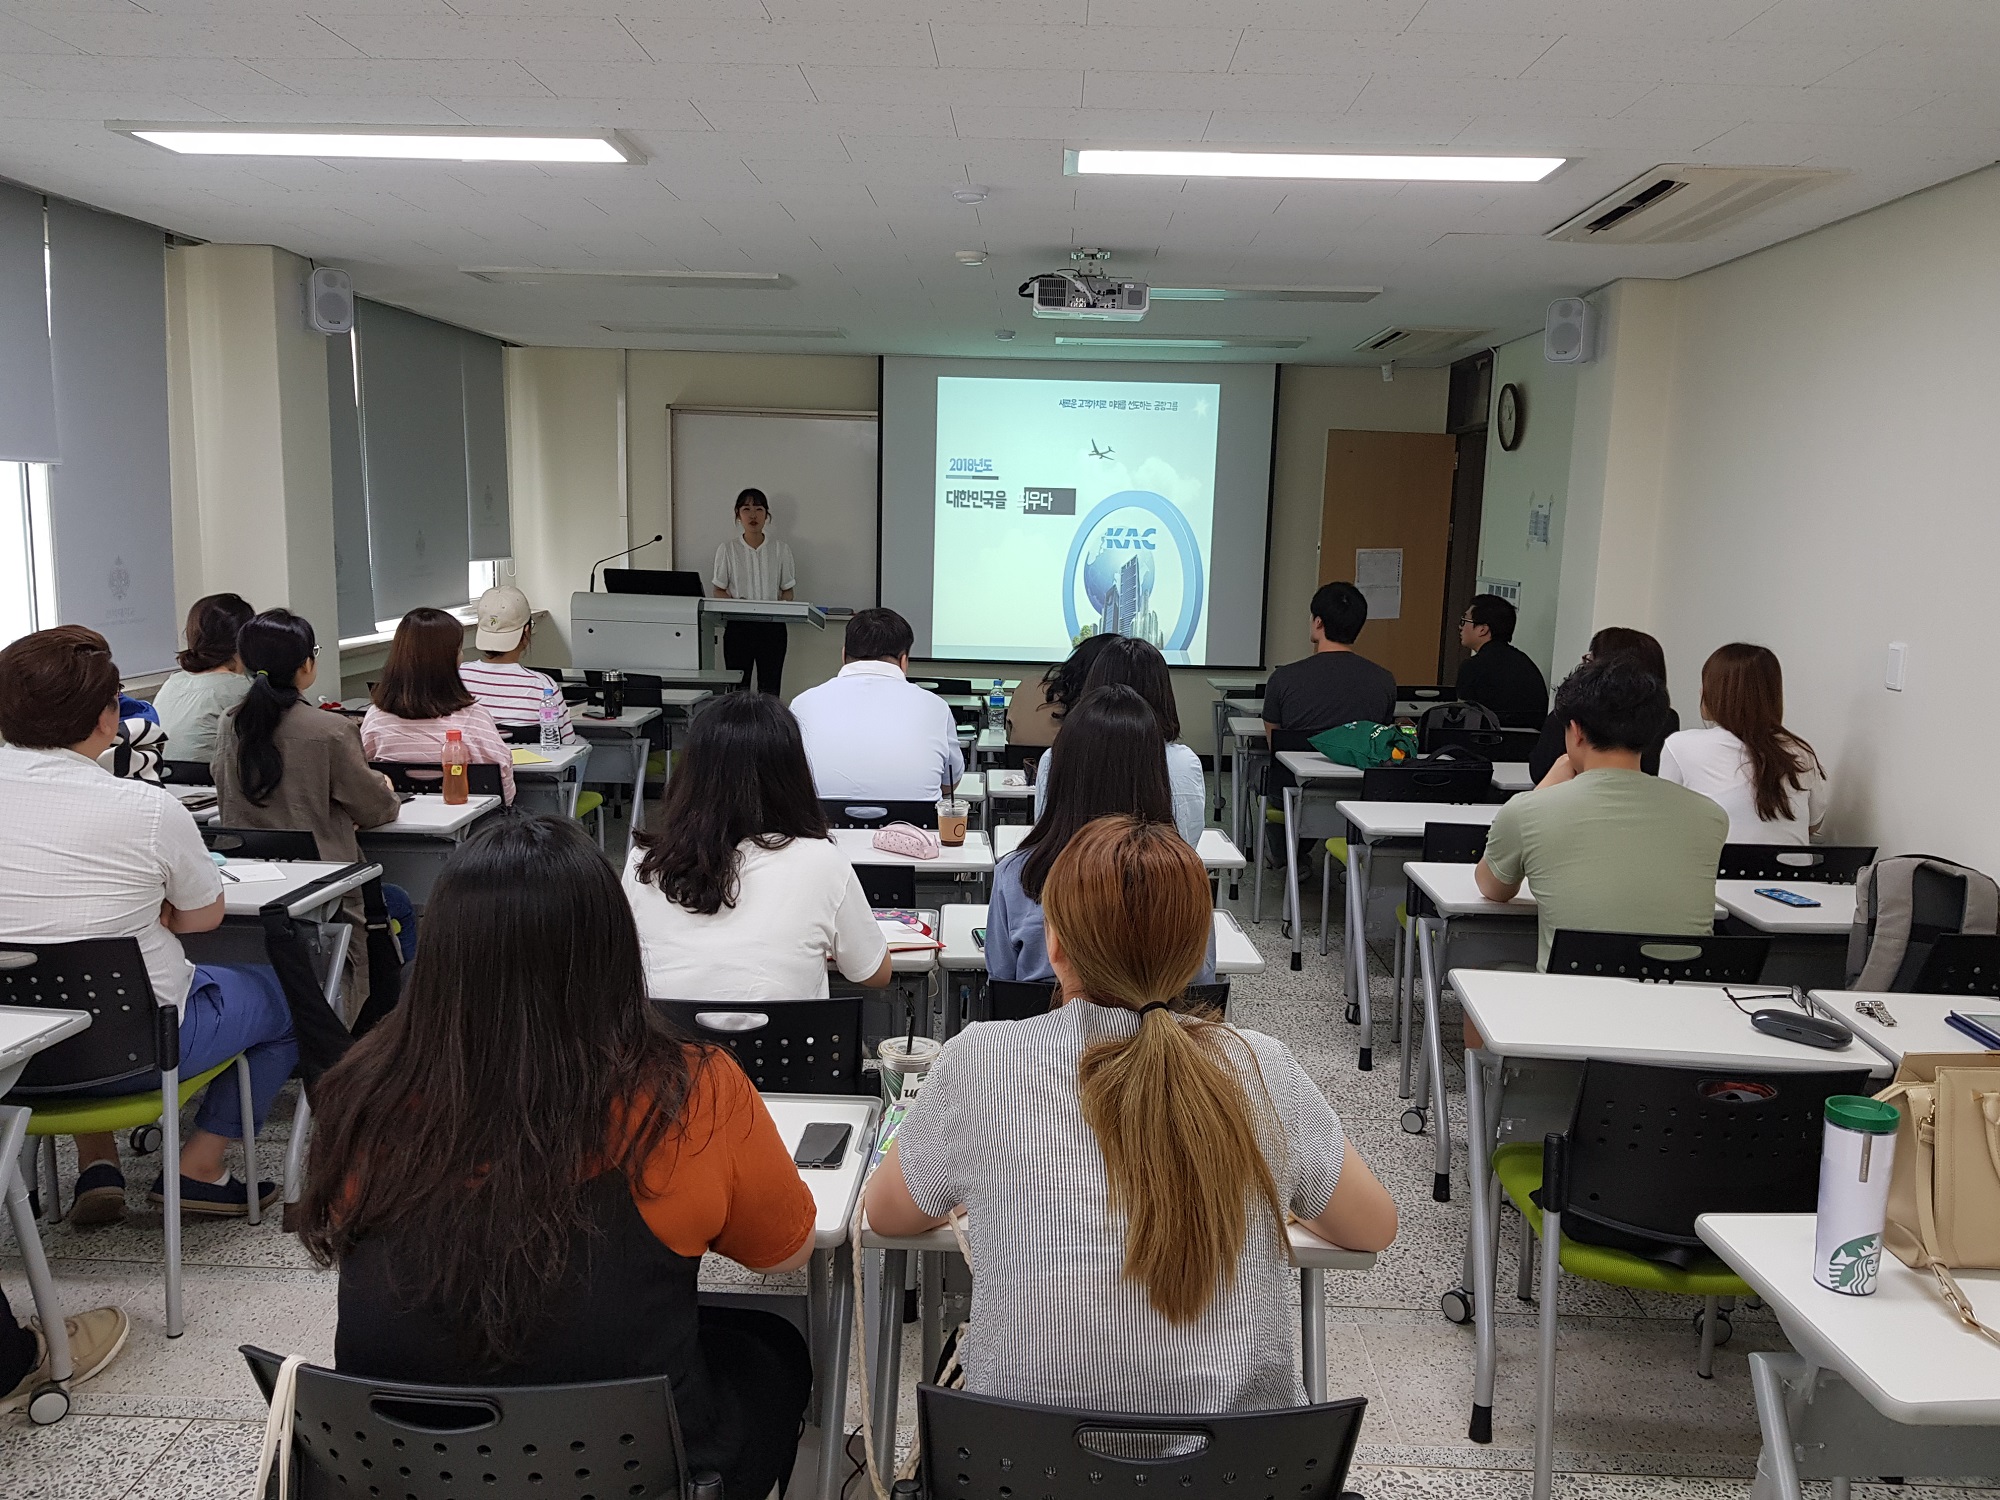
<point>100,1195</point>
<point>225,1200</point>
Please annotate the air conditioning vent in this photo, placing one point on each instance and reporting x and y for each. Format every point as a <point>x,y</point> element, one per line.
<point>1673,205</point>
<point>1411,345</point>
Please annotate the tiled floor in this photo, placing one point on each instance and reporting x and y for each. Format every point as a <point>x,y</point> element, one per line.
<point>182,1419</point>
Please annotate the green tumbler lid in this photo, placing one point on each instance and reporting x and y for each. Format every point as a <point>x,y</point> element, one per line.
<point>1857,1112</point>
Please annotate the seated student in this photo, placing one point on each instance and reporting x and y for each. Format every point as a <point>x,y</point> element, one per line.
<point>871,732</point>
<point>1031,723</point>
<point>1336,684</point>
<point>420,698</point>
<point>1610,849</point>
<point>84,854</point>
<point>473,1250</point>
<point>1128,1171</point>
<point>210,681</point>
<point>1499,675</point>
<point>498,682</point>
<point>1551,751</point>
<point>1765,777</point>
<point>95,1337</point>
<point>741,895</point>
<point>1138,665</point>
<point>282,763</point>
<point>1106,760</point>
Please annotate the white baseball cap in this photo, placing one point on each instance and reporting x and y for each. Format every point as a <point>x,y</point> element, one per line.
<point>503,615</point>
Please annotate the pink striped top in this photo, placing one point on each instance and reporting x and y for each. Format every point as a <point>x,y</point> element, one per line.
<point>386,737</point>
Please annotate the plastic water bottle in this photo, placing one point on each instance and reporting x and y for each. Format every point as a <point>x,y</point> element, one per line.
<point>551,717</point>
<point>452,761</point>
<point>996,708</point>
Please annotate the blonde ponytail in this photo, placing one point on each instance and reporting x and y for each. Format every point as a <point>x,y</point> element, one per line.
<point>1183,1153</point>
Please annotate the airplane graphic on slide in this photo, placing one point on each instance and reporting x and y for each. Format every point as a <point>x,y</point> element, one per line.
<point>1097,452</point>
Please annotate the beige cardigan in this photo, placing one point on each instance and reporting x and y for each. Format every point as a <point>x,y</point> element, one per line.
<point>327,788</point>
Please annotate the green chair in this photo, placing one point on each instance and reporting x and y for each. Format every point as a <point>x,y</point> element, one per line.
<point>1649,1151</point>
<point>591,805</point>
<point>132,1040</point>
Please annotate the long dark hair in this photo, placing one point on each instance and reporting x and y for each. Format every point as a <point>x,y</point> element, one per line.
<point>212,625</point>
<point>1138,664</point>
<point>1743,690</point>
<point>1062,684</point>
<point>1109,758</point>
<point>274,646</point>
<point>420,679</point>
<point>522,1062</point>
<point>744,775</point>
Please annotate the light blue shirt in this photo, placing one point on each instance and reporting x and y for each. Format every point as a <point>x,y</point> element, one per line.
<point>1184,781</point>
<point>1017,945</point>
<point>870,732</point>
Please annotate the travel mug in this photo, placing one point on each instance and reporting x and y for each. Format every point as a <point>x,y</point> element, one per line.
<point>1854,1166</point>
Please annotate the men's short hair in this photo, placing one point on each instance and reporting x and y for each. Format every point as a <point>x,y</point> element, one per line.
<point>751,497</point>
<point>1615,701</point>
<point>1495,613</point>
<point>877,635</point>
<point>1341,610</point>
<point>54,687</point>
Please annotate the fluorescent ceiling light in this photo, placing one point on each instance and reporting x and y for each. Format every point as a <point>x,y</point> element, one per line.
<point>1350,168</point>
<point>1265,293</point>
<point>398,143</point>
<point>726,281</point>
<point>722,331</point>
<point>1192,341</point>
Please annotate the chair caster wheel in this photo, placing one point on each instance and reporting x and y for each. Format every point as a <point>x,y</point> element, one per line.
<point>50,1403</point>
<point>1456,1305</point>
<point>1353,1013</point>
<point>1724,1329</point>
<point>146,1139</point>
<point>1413,1122</point>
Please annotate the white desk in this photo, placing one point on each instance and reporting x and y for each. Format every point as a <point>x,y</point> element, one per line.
<point>1884,1384</point>
<point>619,750</point>
<point>1214,849</point>
<point>830,1285</point>
<point>1013,784</point>
<point>413,849</point>
<point>553,783</point>
<point>301,889</point>
<point>973,857</point>
<point>1833,917</point>
<point>24,1031</point>
<point>1920,1020</point>
<point>1247,745</point>
<point>1314,773</point>
<point>1578,1017</point>
<point>989,745</point>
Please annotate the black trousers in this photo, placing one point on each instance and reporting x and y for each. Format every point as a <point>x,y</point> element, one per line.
<point>758,643</point>
<point>760,1367</point>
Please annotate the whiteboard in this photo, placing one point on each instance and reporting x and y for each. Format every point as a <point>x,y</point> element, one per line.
<point>820,473</point>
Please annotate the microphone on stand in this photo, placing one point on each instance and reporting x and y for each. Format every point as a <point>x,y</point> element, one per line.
<point>658,536</point>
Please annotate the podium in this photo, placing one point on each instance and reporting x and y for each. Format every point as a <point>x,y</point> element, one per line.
<point>717,612</point>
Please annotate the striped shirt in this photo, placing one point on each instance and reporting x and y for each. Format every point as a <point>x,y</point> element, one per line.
<point>999,1128</point>
<point>420,741</point>
<point>512,693</point>
<point>754,572</point>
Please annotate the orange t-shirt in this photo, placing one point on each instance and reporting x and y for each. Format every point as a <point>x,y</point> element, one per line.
<point>723,1180</point>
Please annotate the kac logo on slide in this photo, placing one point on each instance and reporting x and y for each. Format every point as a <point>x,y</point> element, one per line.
<point>1121,574</point>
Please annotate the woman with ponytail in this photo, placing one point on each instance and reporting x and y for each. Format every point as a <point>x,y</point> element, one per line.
<point>1128,1169</point>
<point>1766,778</point>
<point>282,763</point>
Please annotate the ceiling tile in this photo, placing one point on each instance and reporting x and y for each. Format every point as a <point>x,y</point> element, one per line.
<point>1031,88</point>
<point>725,114</point>
<point>578,38</point>
<point>1387,16</point>
<point>1183,49</point>
<point>140,35</point>
<point>1432,55</point>
<point>1101,127</point>
<point>312,109</point>
<point>624,114</point>
<point>1697,62</point>
<point>1351,131</point>
<point>1903,65</point>
<point>137,75</point>
<point>1642,21</point>
<point>1294,92</point>
<point>1937,24</point>
<point>1724,106</point>
<point>362,77</point>
<point>892,44</point>
<point>1012,12</point>
<point>774,82</point>
<point>1403,95</point>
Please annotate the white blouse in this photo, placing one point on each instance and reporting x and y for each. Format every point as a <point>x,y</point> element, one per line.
<point>1712,761</point>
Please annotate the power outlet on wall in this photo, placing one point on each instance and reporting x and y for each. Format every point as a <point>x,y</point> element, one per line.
<point>1899,662</point>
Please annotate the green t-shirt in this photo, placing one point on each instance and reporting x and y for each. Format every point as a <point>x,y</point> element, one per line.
<point>1612,851</point>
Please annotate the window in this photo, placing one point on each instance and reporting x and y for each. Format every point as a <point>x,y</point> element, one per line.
<point>27,560</point>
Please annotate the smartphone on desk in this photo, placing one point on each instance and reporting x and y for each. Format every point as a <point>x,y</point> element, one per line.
<point>823,1146</point>
<point>1788,898</point>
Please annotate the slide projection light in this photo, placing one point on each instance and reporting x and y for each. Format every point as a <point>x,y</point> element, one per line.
<point>1025,512</point>
<point>443,143</point>
<point>1300,164</point>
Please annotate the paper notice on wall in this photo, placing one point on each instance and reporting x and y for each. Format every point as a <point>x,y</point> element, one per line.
<point>1378,573</point>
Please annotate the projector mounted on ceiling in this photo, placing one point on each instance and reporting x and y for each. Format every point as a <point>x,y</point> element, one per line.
<point>1086,292</point>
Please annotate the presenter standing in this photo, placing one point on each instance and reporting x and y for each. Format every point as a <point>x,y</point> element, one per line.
<point>754,566</point>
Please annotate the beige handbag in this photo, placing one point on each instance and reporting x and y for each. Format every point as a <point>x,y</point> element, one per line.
<point>1944,1191</point>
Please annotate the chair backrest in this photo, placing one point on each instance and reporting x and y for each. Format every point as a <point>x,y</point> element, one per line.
<point>1455,843</point>
<point>129,1038</point>
<point>1659,958</point>
<point>875,812</point>
<point>1961,963</point>
<point>959,686</point>
<point>888,885</point>
<point>521,734</point>
<point>262,843</point>
<point>353,1437</point>
<point>1447,716</point>
<point>786,1046</point>
<point>1493,744</point>
<point>1019,999</point>
<point>1651,1149</point>
<point>1019,757</point>
<point>186,773</point>
<point>1428,781</point>
<point>983,1448</point>
<point>1824,864</point>
<point>1209,1001</point>
<point>481,779</point>
<point>1425,693</point>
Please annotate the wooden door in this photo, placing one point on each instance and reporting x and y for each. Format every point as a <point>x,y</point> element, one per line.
<point>1390,492</point>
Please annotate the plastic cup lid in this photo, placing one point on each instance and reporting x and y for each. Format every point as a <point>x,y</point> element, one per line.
<point>1857,1112</point>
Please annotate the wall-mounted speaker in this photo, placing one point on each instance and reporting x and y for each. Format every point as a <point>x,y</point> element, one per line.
<point>330,301</point>
<point>1569,336</point>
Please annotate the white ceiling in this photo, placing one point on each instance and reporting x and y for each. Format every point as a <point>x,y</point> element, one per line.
<point>822,138</point>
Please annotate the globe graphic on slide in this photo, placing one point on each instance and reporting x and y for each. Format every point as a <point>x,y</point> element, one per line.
<point>1100,574</point>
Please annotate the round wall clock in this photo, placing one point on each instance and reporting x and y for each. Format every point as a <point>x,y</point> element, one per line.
<point>1512,415</point>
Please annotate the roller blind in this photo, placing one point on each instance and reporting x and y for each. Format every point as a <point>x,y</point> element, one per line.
<point>27,384</point>
<point>487,511</point>
<point>353,575</point>
<point>110,497</point>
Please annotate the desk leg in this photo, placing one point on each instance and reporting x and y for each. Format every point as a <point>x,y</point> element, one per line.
<point>1479,1146</point>
<point>1292,913</point>
<point>1312,1330</point>
<point>1236,797</point>
<point>1360,870</point>
<point>640,754</point>
<point>831,1365</point>
<point>1430,949</point>
<point>1352,937</point>
<point>930,1303</point>
<point>889,1356</point>
<point>41,1286</point>
<point>1777,1468</point>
